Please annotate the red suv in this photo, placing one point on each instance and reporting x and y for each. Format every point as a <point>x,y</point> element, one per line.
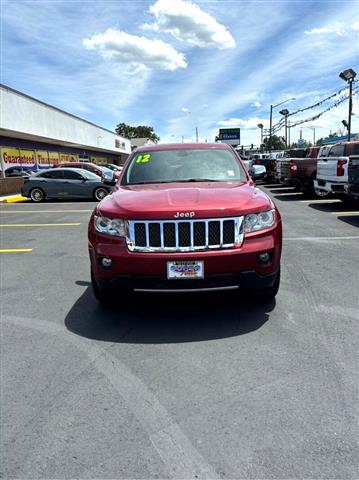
<point>184,218</point>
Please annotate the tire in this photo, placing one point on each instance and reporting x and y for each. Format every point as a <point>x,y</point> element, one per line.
<point>314,192</point>
<point>104,297</point>
<point>100,193</point>
<point>37,195</point>
<point>269,293</point>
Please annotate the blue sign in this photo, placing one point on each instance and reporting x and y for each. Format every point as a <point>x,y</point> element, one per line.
<point>229,136</point>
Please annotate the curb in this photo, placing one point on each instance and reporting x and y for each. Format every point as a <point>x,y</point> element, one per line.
<point>14,199</point>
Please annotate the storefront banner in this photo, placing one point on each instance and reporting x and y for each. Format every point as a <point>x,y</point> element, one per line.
<point>53,158</point>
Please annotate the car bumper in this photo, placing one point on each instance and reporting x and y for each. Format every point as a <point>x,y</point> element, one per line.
<point>235,267</point>
<point>334,187</point>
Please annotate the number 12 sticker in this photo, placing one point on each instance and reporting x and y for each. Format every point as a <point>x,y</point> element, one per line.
<point>143,158</point>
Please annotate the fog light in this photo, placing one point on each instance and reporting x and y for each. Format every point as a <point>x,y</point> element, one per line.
<point>106,262</point>
<point>264,258</point>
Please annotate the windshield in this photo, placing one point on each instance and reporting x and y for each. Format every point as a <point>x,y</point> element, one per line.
<point>89,175</point>
<point>184,165</point>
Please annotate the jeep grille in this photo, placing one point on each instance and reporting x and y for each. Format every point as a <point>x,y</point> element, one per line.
<point>184,235</point>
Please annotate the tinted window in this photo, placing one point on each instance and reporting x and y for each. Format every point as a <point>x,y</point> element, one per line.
<point>72,175</point>
<point>183,165</point>
<point>337,151</point>
<point>355,149</point>
<point>51,174</point>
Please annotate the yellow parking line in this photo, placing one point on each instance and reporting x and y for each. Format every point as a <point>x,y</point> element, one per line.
<point>344,213</point>
<point>15,250</point>
<point>20,225</point>
<point>44,211</point>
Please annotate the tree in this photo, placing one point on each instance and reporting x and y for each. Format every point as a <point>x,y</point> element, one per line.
<point>277,143</point>
<point>141,131</point>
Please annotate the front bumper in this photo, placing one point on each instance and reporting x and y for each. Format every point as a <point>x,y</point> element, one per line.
<point>156,283</point>
<point>233,267</point>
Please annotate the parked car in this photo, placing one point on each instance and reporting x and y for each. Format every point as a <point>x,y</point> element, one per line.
<point>300,172</point>
<point>185,218</point>
<point>113,167</point>
<point>103,172</point>
<point>64,183</point>
<point>19,171</point>
<point>353,178</point>
<point>332,172</point>
<point>257,172</point>
<point>268,161</point>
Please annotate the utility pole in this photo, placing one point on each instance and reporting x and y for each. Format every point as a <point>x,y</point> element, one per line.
<point>182,139</point>
<point>196,134</point>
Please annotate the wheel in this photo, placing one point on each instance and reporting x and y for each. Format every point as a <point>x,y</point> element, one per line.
<point>105,297</point>
<point>318,193</point>
<point>37,195</point>
<point>270,292</point>
<point>314,192</point>
<point>100,193</point>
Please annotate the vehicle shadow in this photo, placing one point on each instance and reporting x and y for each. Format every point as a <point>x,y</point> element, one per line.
<point>288,197</point>
<point>332,207</point>
<point>350,219</point>
<point>171,318</point>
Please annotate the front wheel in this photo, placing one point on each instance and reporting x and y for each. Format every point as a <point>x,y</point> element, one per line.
<point>105,297</point>
<point>37,195</point>
<point>270,292</point>
<point>100,193</point>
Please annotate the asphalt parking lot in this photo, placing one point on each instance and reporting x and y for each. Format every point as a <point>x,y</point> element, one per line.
<point>195,386</point>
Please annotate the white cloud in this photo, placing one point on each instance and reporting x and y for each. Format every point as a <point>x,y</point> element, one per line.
<point>185,110</point>
<point>138,52</point>
<point>256,104</point>
<point>205,105</point>
<point>249,124</point>
<point>338,28</point>
<point>187,22</point>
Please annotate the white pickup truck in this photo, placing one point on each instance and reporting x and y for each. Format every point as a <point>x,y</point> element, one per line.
<point>332,170</point>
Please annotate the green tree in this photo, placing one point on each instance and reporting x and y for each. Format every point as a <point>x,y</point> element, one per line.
<point>141,131</point>
<point>277,143</point>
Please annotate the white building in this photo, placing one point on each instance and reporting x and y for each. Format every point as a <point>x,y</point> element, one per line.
<point>32,131</point>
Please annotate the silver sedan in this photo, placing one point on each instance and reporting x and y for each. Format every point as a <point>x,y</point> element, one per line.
<point>64,183</point>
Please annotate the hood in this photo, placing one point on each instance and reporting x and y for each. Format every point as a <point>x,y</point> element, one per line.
<point>168,201</point>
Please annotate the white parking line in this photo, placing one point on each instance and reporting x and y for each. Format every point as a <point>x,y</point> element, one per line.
<point>321,239</point>
<point>322,200</point>
<point>286,193</point>
<point>344,213</point>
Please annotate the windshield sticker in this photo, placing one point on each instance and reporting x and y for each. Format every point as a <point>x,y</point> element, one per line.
<point>230,173</point>
<point>143,158</point>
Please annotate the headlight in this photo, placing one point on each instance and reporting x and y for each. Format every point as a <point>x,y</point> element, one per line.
<point>110,226</point>
<point>258,221</point>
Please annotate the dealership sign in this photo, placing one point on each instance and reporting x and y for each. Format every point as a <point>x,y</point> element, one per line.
<point>230,135</point>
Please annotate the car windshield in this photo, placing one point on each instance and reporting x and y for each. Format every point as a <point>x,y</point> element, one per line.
<point>184,165</point>
<point>89,175</point>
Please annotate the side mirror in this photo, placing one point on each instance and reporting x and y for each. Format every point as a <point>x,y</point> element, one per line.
<point>84,179</point>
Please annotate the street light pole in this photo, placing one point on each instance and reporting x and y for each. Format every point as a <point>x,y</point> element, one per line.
<point>348,76</point>
<point>271,118</point>
<point>270,128</point>
<point>350,107</point>
<point>285,113</point>
<point>260,125</point>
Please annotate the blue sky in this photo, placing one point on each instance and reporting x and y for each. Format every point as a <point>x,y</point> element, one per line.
<point>177,65</point>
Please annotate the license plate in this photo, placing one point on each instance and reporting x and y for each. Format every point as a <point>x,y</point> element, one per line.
<point>185,269</point>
